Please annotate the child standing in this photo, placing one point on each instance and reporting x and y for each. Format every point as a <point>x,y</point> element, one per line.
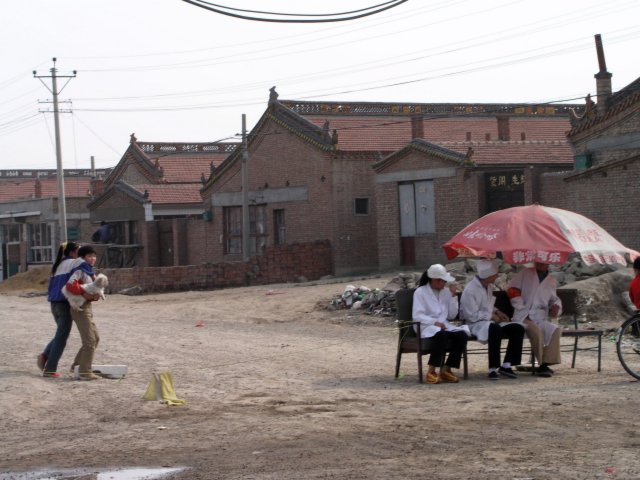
<point>84,318</point>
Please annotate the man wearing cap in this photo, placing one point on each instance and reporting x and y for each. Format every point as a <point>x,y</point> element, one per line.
<point>533,295</point>
<point>489,324</point>
<point>433,307</point>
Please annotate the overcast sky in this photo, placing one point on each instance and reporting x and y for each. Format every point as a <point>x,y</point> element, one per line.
<point>171,71</point>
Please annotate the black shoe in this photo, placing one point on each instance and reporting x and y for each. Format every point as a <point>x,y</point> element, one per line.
<point>507,372</point>
<point>493,375</point>
<point>544,371</point>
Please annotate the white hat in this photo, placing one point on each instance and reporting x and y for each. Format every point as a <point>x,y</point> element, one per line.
<point>439,272</point>
<point>486,268</point>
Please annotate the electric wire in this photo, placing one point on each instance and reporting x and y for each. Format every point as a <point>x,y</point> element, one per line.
<point>205,5</point>
<point>296,14</point>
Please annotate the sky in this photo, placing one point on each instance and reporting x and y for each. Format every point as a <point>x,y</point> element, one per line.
<point>170,71</point>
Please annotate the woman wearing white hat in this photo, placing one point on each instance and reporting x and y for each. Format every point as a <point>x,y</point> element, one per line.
<point>433,306</point>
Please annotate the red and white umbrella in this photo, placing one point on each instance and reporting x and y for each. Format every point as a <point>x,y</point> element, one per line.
<point>534,233</point>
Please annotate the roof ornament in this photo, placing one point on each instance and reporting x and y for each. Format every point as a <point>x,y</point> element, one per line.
<point>325,131</point>
<point>146,194</point>
<point>589,112</point>
<point>273,95</point>
<point>133,138</point>
<point>203,179</point>
<point>469,157</point>
<point>212,167</point>
<point>334,137</point>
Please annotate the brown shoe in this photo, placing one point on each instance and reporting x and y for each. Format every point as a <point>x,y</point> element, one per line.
<point>432,377</point>
<point>88,376</point>
<point>448,377</point>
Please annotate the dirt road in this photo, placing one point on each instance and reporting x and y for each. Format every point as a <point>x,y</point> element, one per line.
<point>278,389</point>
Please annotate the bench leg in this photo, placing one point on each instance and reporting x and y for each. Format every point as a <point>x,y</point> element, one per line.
<point>575,350</point>
<point>599,351</point>
<point>420,365</point>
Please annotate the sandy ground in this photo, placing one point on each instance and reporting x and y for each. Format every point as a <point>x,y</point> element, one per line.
<point>280,389</point>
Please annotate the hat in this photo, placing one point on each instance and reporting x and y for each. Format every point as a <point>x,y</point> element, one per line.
<point>636,263</point>
<point>486,268</point>
<point>439,272</point>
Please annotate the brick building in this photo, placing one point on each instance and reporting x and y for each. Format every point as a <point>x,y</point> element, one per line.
<point>152,204</point>
<point>29,216</point>
<point>336,171</point>
<point>604,184</point>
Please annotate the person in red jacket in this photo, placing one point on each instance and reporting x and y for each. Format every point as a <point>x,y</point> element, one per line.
<point>634,286</point>
<point>84,318</point>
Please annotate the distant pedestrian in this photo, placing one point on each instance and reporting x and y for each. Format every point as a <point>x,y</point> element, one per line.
<point>103,232</point>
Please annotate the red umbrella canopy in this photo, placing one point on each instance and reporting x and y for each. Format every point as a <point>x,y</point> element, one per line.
<point>534,233</point>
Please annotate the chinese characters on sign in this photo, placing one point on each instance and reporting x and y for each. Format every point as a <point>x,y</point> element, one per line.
<point>586,236</point>
<point>528,256</point>
<point>506,180</point>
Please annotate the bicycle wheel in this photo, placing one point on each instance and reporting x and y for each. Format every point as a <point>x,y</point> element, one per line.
<point>628,345</point>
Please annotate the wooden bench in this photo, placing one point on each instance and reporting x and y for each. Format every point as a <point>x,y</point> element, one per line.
<point>408,339</point>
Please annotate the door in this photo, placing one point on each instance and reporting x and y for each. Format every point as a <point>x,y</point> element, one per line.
<point>407,224</point>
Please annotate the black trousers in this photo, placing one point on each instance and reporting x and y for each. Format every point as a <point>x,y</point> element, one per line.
<point>514,332</point>
<point>442,341</point>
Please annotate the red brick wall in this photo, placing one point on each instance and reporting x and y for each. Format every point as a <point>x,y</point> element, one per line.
<point>280,159</point>
<point>279,264</point>
<point>626,122</point>
<point>355,247</point>
<point>388,231</point>
<point>610,201</point>
<point>456,205</point>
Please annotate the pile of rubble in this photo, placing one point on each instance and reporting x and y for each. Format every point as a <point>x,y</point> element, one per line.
<point>377,301</point>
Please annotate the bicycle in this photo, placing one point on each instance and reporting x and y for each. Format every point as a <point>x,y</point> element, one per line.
<point>628,345</point>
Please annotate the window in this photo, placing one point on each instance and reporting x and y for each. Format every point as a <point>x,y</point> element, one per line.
<point>233,229</point>
<point>39,240</point>
<point>278,227</point>
<point>257,229</point>
<point>361,206</point>
<point>11,233</point>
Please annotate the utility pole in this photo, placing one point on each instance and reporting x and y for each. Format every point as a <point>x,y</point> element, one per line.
<point>245,190</point>
<point>62,208</point>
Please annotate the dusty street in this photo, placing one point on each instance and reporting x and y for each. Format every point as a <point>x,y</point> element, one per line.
<point>277,388</point>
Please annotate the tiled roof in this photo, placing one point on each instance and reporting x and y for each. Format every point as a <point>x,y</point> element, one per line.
<point>188,168</point>
<point>17,190</point>
<point>392,133</point>
<point>618,102</point>
<point>527,152</point>
<point>368,133</point>
<point>26,189</point>
<point>172,194</point>
<point>73,187</point>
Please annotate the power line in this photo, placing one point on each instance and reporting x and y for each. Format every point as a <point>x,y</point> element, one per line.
<point>340,18</point>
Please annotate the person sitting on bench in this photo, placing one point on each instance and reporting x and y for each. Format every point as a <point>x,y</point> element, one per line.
<point>533,295</point>
<point>489,324</point>
<point>433,306</point>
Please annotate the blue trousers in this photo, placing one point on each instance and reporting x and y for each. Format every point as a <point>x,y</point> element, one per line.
<point>62,315</point>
